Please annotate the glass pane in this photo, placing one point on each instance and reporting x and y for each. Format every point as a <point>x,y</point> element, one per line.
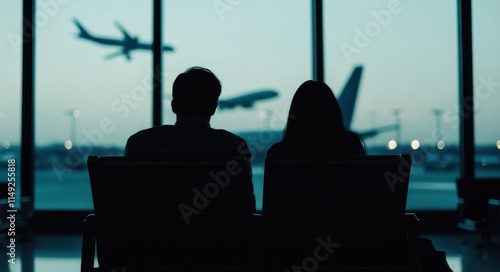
<point>251,46</point>
<point>408,93</point>
<point>91,92</point>
<point>10,102</point>
<point>486,87</point>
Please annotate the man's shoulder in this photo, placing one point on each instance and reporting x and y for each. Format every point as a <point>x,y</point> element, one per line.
<point>153,130</point>
<point>189,140</point>
<point>229,139</point>
<point>145,137</point>
<point>227,134</point>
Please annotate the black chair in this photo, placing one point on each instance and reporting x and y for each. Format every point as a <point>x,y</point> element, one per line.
<point>168,214</point>
<point>344,214</point>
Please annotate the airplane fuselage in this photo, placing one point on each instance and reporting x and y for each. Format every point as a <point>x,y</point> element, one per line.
<point>246,100</point>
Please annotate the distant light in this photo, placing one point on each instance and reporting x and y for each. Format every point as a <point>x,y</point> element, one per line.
<point>392,144</point>
<point>415,144</point>
<point>440,145</point>
<point>68,144</point>
<point>76,113</point>
<point>6,144</point>
<point>498,144</point>
<point>263,114</point>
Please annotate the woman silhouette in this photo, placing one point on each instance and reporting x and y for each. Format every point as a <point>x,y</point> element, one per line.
<point>315,126</point>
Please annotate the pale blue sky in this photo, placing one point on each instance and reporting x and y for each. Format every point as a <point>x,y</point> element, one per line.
<point>410,63</point>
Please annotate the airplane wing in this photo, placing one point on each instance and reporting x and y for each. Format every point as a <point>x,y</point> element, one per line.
<point>373,132</point>
<point>125,33</point>
<point>117,54</point>
<point>167,48</point>
<point>148,46</point>
<point>347,99</point>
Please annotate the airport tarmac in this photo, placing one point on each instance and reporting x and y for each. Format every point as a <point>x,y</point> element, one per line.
<point>428,190</point>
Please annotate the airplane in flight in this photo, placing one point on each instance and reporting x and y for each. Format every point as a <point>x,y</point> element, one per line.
<point>127,43</point>
<point>246,100</point>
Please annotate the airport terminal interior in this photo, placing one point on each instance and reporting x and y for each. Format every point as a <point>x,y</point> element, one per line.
<point>79,77</point>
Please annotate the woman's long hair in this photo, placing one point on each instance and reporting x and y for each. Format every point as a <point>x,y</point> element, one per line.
<point>314,115</point>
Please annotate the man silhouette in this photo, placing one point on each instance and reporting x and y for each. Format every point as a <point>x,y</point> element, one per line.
<point>195,97</point>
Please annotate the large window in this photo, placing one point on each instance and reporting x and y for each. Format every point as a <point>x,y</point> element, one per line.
<point>10,82</point>
<point>90,95</point>
<point>486,87</point>
<point>252,46</point>
<point>408,94</point>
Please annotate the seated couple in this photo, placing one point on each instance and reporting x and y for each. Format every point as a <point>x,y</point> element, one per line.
<point>314,128</point>
<point>314,124</point>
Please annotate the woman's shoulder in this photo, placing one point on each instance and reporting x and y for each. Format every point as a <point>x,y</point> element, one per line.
<point>276,149</point>
<point>281,148</point>
<point>355,143</point>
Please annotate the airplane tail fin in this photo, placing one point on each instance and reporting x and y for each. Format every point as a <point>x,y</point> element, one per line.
<point>83,32</point>
<point>347,99</point>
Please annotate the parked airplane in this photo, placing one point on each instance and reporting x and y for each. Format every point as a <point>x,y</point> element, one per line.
<point>127,44</point>
<point>347,101</point>
<point>246,100</point>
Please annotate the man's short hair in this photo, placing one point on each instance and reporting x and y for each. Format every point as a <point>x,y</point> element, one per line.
<point>195,92</point>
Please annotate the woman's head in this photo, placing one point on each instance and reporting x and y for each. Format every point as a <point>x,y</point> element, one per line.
<point>314,109</point>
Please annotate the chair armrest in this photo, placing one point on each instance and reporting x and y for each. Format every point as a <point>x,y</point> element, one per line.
<point>412,224</point>
<point>88,243</point>
<point>413,234</point>
<point>255,244</point>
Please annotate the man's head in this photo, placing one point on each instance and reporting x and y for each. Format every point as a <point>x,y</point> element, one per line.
<point>195,93</point>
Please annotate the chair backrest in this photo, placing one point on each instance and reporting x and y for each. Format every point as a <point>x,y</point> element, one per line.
<point>354,204</point>
<point>170,212</point>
